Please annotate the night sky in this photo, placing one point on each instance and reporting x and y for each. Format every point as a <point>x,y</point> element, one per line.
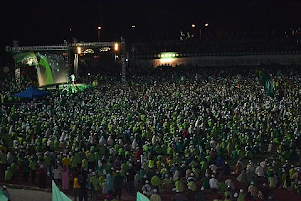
<point>37,22</point>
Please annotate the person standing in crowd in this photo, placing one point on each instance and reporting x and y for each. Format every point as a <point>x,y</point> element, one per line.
<point>25,169</point>
<point>42,174</point>
<point>65,179</point>
<point>94,186</point>
<point>118,183</point>
<point>83,187</point>
<point>57,175</point>
<point>76,188</point>
<point>130,185</point>
<point>33,169</point>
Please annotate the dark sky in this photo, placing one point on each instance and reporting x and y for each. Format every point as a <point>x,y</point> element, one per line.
<point>34,22</point>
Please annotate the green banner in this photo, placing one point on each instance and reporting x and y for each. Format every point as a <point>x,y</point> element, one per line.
<point>57,195</point>
<point>267,82</point>
<point>141,197</point>
<point>48,72</point>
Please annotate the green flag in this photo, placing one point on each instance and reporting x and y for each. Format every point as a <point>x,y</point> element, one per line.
<point>267,82</point>
<point>141,197</point>
<point>57,195</point>
<point>2,196</point>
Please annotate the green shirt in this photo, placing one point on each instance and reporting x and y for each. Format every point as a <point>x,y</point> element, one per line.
<point>47,160</point>
<point>179,186</point>
<point>3,158</point>
<point>33,165</point>
<point>8,175</point>
<point>94,182</point>
<point>156,181</point>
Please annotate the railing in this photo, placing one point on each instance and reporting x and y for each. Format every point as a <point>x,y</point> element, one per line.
<point>37,48</point>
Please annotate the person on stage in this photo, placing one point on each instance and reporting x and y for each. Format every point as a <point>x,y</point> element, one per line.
<point>73,79</point>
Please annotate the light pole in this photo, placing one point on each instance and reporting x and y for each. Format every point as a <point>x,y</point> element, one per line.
<point>193,26</point>
<point>133,27</point>
<point>98,33</point>
<point>206,25</point>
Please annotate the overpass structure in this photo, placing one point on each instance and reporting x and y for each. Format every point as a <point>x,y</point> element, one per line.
<point>60,47</point>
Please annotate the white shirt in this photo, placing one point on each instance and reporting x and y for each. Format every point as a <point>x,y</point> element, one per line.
<point>250,168</point>
<point>213,167</point>
<point>72,78</point>
<point>213,183</point>
<point>259,171</point>
<point>57,174</point>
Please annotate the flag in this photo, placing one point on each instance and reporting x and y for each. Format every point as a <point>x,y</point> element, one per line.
<point>2,196</point>
<point>141,197</point>
<point>57,195</point>
<point>267,82</point>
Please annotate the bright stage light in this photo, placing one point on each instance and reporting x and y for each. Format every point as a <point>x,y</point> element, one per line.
<point>79,50</point>
<point>116,46</point>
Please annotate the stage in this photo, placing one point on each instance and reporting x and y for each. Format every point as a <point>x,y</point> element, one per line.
<point>66,87</point>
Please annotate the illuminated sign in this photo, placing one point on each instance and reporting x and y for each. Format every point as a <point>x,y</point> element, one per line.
<point>89,51</point>
<point>168,55</point>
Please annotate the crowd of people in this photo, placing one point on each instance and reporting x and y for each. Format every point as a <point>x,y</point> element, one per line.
<point>195,132</point>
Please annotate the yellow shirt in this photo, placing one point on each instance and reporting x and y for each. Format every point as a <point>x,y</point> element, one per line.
<point>66,161</point>
<point>75,183</point>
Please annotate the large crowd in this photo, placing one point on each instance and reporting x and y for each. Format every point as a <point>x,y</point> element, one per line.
<point>192,132</point>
